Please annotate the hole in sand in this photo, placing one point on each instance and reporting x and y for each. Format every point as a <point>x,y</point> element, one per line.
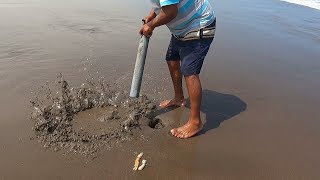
<point>156,123</point>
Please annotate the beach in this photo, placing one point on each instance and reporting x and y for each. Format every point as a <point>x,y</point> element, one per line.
<point>260,85</point>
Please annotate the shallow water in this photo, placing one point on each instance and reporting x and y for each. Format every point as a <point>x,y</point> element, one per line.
<point>260,84</point>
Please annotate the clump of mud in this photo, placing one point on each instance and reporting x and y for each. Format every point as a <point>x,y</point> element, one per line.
<point>56,124</point>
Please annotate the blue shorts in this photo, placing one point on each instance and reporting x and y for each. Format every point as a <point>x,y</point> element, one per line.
<point>191,54</point>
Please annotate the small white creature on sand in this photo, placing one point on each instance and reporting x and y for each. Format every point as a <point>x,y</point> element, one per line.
<point>137,162</point>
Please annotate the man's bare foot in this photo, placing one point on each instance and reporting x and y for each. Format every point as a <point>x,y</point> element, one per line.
<point>188,130</point>
<point>173,102</point>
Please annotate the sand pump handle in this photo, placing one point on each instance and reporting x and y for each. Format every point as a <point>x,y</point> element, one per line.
<point>143,23</point>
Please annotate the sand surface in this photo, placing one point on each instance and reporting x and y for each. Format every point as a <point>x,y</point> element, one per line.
<point>260,80</point>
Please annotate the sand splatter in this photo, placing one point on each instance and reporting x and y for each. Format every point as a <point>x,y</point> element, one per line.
<point>54,117</point>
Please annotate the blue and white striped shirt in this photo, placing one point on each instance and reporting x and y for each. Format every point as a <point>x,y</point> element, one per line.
<point>192,15</point>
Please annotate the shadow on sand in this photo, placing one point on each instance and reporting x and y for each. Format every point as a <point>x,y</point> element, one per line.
<point>217,108</point>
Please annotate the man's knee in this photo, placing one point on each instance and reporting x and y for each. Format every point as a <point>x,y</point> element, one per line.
<point>174,64</point>
<point>191,77</point>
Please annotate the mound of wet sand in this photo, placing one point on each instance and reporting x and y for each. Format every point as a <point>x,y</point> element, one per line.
<point>88,118</point>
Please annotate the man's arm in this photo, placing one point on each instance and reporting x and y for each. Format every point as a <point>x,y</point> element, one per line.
<point>151,16</point>
<point>167,14</point>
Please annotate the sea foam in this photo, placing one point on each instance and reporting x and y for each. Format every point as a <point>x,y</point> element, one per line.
<point>315,4</point>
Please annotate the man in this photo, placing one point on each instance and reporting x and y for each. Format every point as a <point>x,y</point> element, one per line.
<point>192,24</point>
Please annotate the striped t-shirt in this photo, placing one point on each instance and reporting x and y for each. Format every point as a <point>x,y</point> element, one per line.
<point>192,15</point>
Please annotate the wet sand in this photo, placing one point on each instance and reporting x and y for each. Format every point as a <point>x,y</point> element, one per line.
<point>260,81</point>
<point>89,118</point>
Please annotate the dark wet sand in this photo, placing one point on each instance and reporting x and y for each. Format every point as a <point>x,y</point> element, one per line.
<point>260,81</point>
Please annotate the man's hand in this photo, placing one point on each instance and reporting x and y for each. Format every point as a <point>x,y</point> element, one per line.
<point>166,14</point>
<point>146,30</point>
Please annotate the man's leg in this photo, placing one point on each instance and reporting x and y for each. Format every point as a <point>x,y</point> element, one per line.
<point>192,55</point>
<point>176,77</point>
<point>194,124</point>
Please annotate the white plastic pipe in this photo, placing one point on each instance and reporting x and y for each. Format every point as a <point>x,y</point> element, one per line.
<point>139,67</point>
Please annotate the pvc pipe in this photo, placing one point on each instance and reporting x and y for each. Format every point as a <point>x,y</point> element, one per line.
<point>139,67</point>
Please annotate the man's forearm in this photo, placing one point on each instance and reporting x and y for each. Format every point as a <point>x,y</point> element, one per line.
<point>152,14</point>
<point>167,14</point>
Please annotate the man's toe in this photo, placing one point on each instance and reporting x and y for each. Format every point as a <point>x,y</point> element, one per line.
<point>180,135</point>
<point>174,132</point>
<point>166,103</point>
<point>163,103</point>
<point>184,134</point>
